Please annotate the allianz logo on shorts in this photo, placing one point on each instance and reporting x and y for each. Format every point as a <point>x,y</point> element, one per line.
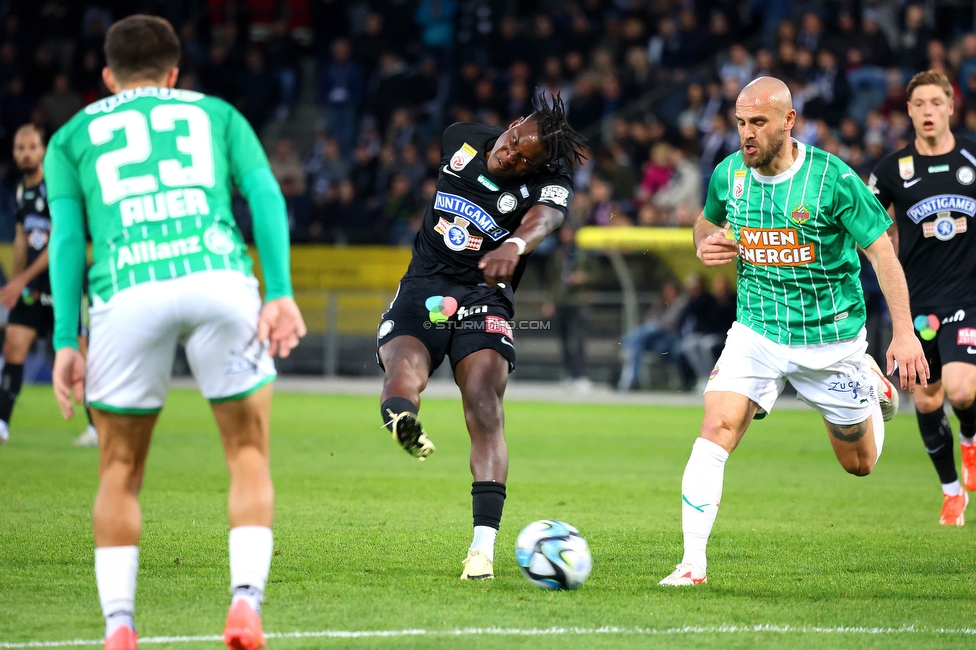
<point>461,207</point>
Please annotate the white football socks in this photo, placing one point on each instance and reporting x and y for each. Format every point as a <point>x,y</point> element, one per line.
<point>701,492</point>
<point>953,489</point>
<point>115,574</point>
<point>484,541</point>
<point>250,562</point>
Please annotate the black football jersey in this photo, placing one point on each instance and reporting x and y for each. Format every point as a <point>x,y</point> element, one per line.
<point>935,202</point>
<point>474,212</point>
<point>32,213</point>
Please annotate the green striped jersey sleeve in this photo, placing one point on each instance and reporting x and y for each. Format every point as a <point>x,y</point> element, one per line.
<point>718,189</point>
<point>857,209</point>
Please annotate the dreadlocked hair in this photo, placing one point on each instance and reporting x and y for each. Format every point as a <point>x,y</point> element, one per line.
<point>560,140</point>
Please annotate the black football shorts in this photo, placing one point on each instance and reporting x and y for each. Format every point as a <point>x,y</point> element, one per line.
<point>450,319</point>
<point>947,335</point>
<point>34,311</point>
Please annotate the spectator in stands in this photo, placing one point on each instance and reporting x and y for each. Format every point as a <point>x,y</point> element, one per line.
<point>325,166</point>
<point>341,88</point>
<point>436,21</point>
<point>705,324</point>
<point>283,59</point>
<point>682,196</point>
<point>613,166</point>
<point>398,216</point>
<point>258,94</point>
<point>61,103</point>
<point>828,93</point>
<point>658,333</point>
<point>286,167</point>
<point>657,172</point>
<point>566,279</point>
<point>910,51</point>
<point>604,211</point>
<point>353,223</point>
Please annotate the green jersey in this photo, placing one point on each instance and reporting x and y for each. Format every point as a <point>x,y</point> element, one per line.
<point>153,168</point>
<point>798,234</point>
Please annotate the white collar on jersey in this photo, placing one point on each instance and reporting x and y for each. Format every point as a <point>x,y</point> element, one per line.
<point>801,150</point>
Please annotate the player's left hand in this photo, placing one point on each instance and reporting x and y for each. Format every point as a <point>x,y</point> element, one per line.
<point>499,264</point>
<point>906,351</point>
<point>68,376</point>
<point>281,324</point>
<point>11,293</point>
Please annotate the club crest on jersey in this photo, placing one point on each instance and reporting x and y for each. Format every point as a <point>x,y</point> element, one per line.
<point>800,214</point>
<point>506,203</point>
<point>472,212</point>
<point>965,175</point>
<point>942,203</point>
<point>906,167</point>
<point>462,157</point>
<point>944,227</point>
<point>739,183</point>
<point>456,236</point>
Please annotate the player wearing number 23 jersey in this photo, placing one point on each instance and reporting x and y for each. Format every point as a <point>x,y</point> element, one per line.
<point>150,171</point>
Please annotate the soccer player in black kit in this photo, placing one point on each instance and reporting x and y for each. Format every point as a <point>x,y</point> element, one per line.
<point>28,293</point>
<point>930,183</point>
<point>499,194</point>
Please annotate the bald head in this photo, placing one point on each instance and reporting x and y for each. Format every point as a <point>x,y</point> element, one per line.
<point>768,91</point>
<point>765,116</point>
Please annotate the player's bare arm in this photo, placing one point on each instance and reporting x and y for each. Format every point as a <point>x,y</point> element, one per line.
<point>905,350</point>
<point>712,247</point>
<point>539,222</point>
<point>22,274</point>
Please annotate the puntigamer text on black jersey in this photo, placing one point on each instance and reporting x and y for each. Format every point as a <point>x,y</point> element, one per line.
<point>32,213</point>
<point>935,202</point>
<point>474,212</point>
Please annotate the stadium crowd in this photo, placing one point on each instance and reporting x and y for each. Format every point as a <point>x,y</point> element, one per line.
<point>652,84</point>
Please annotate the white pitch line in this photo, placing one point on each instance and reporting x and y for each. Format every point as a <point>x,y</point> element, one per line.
<point>549,631</point>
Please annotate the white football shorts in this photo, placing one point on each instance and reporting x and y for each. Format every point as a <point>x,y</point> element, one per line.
<point>133,338</point>
<point>833,377</point>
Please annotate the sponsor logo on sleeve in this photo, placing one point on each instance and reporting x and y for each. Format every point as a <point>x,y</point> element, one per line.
<point>774,247</point>
<point>966,336</point>
<point>942,203</point>
<point>873,184</point>
<point>524,191</point>
<point>462,157</point>
<point>906,167</point>
<point>555,194</point>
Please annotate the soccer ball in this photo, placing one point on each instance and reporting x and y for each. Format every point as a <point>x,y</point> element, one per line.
<point>553,555</point>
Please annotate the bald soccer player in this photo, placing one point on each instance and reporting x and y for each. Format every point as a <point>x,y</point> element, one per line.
<point>797,215</point>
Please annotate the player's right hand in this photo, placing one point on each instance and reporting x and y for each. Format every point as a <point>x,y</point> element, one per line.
<point>905,353</point>
<point>281,325</point>
<point>68,376</point>
<point>716,249</point>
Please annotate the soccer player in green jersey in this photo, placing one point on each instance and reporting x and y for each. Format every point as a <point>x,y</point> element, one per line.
<point>797,215</point>
<point>151,168</point>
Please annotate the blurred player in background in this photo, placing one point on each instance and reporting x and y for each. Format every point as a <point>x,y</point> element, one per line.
<point>28,293</point>
<point>499,194</point>
<point>930,186</point>
<point>798,215</point>
<point>152,167</point>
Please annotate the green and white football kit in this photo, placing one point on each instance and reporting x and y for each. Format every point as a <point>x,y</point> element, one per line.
<point>801,309</point>
<point>151,171</point>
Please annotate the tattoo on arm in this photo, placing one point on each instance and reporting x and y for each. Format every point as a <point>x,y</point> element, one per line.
<point>848,432</point>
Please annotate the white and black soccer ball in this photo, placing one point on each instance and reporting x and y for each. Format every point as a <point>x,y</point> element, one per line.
<point>553,555</point>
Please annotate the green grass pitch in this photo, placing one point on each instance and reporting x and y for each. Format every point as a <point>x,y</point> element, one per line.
<point>369,539</point>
